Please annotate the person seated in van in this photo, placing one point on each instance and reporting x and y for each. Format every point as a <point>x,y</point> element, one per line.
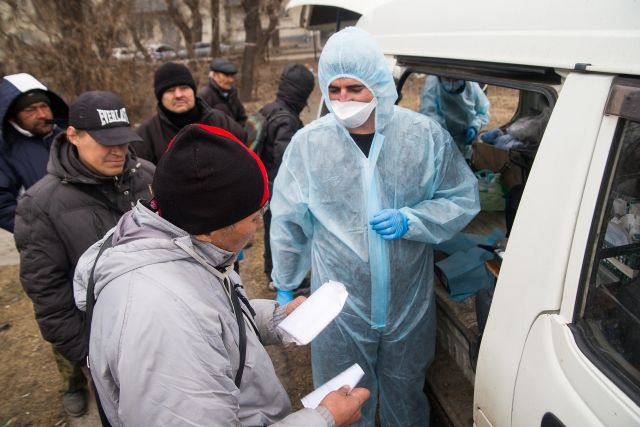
<point>459,106</point>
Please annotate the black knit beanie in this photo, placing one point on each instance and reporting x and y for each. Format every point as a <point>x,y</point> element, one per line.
<point>26,99</point>
<point>208,179</point>
<point>169,75</point>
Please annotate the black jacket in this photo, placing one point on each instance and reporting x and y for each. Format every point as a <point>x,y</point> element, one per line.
<point>230,105</point>
<point>296,84</point>
<point>57,219</point>
<point>157,131</point>
<point>282,124</point>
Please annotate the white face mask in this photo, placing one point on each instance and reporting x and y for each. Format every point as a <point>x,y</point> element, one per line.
<point>353,114</point>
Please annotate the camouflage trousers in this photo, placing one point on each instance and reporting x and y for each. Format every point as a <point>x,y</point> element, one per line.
<point>73,378</point>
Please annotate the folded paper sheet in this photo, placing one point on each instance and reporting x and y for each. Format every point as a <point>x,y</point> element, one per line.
<point>350,377</point>
<point>313,315</point>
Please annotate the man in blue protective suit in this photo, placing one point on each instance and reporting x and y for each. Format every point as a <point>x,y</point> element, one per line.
<point>360,197</point>
<point>460,106</point>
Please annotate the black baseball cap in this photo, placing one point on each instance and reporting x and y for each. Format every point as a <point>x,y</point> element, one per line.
<point>223,65</point>
<point>103,115</point>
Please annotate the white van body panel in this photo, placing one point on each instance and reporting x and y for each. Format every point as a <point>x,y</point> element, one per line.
<point>543,33</point>
<point>554,376</point>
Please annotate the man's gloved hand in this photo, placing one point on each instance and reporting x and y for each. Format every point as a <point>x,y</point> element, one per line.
<point>284,297</point>
<point>470,135</point>
<point>390,224</point>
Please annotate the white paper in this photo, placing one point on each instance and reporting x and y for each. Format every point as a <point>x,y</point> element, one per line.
<point>313,315</point>
<point>350,377</point>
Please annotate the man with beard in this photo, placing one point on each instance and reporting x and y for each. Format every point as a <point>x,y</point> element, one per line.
<point>27,109</point>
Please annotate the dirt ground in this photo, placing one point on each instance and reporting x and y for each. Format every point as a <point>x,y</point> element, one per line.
<point>29,381</point>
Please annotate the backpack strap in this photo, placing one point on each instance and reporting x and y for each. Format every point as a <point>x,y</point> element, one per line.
<point>242,331</point>
<point>91,301</point>
<point>234,297</point>
<point>281,112</point>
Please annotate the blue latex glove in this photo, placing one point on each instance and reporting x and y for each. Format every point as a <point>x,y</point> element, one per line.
<point>390,224</point>
<point>284,297</point>
<point>240,256</point>
<point>470,135</point>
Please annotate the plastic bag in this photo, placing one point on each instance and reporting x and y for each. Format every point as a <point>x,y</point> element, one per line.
<point>491,197</point>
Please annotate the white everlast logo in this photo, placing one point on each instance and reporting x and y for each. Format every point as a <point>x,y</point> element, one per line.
<point>113,116</point>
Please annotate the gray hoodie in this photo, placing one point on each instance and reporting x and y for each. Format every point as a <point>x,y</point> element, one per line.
<point>164,340</point>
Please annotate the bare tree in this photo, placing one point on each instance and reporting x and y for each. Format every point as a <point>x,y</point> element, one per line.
<point>190,33</point>
<point>67,44</point>
<point>251,28</point>
<point>256,40</point>
<point>273,9</point>
<point>71,38</point>
<point>214,10</point>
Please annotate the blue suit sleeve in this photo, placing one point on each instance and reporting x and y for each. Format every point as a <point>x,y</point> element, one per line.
<point>429,98</point>
<point>454,200</point>
<point>482,106</point>
<point>291,228</point>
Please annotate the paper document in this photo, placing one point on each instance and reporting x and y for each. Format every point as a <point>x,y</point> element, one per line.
<point>313,315</point>
<point>350,377</point>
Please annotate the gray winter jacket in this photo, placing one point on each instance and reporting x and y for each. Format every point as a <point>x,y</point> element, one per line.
<point>164,340</point>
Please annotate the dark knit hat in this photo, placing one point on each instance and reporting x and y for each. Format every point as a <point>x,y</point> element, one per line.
<point>27,99</point>
<point>208,179</point>
<point>169,75</point>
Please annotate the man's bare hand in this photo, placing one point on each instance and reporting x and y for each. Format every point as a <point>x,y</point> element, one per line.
<point>345,405</point>
<point>294,304</point>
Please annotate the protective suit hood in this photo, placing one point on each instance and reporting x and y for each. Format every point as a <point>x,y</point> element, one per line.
<point>353,53</point>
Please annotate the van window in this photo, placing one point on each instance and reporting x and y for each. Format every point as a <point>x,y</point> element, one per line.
<point>607,327</point>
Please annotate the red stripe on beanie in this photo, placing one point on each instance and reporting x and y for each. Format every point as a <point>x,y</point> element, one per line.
<point>226,133</point>
<point>166,150</point>
<point>211,129</point>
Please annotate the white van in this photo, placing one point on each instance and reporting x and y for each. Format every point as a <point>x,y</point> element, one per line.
<point>561,345</point>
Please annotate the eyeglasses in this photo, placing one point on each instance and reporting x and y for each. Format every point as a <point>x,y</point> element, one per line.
<point>263,210</point>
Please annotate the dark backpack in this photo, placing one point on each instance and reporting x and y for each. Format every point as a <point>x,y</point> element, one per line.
<point>257,128</point>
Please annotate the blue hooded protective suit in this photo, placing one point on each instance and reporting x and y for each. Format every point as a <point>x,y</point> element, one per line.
<point>457,110</point>
<point>325,193</point>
